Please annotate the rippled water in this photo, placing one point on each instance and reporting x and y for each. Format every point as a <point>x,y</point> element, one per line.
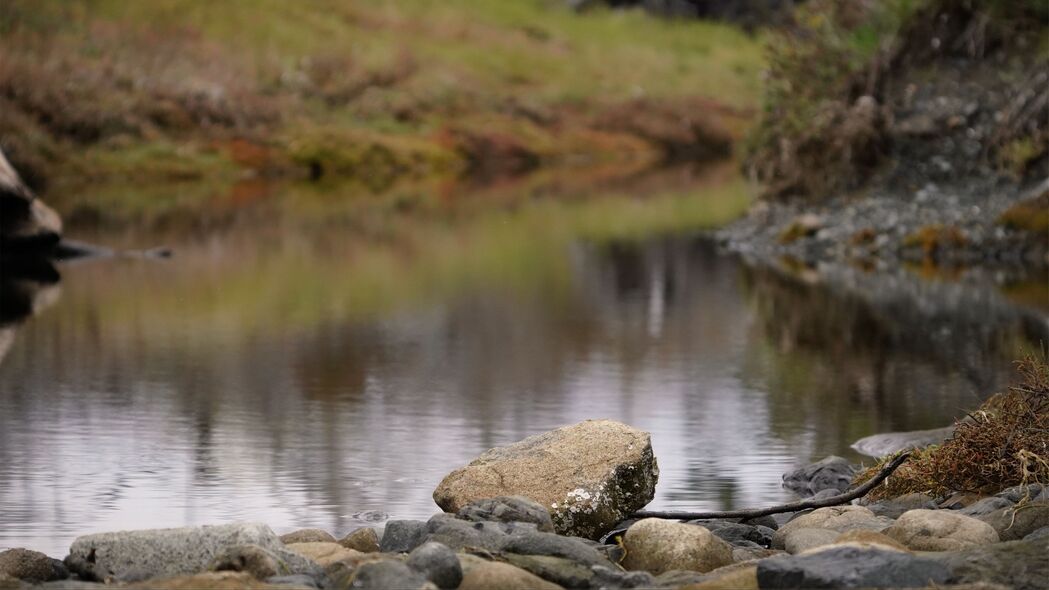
<point>304,375</point>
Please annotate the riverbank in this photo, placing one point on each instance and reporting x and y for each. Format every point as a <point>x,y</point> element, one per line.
<point>370,93</point>
<point>928,145</point>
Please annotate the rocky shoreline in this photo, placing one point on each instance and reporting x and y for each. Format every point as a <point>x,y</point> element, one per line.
<point>500,539</point>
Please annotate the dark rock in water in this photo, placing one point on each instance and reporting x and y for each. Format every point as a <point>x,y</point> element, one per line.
<point>888,443</point>
<point>737,533</point>
<point>384,575</point>
<point>437,563</point>
<point>401,536</point>
<point>560,571</point>
<point>509,509</point>
<point>299,580</point>
<point>162,552</point>
<point>555,545</point>
<point>1014,523</point>
<point>831,473</point>
<point>1020,565</point>
<point>850,567</point>
<point>31,566</point>
<point>986,506</point>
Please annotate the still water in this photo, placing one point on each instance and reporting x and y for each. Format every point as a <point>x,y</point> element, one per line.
<point>326,370</point>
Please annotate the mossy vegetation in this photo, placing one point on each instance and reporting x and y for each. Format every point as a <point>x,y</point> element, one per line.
<point>1000,444</point>
<point>83,83</point>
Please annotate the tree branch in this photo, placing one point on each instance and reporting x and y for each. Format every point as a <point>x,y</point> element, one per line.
<point>792,507</point>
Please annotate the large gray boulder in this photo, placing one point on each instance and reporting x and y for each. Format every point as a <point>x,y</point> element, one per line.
<point>590,475</point>
<point>846,566</point>
<point>23,217</point>
<point>155,553</point>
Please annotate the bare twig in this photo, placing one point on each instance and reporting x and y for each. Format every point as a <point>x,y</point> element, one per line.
<point>792,507</point>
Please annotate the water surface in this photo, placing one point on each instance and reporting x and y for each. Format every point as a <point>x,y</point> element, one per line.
<point>323,369</point>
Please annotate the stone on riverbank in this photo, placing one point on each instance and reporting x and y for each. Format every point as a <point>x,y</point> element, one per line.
<point>325,554</point>
<point>797,540</point>
<point>438,564</point>
<point>31,566</point>
<point>385,575</point>
<point>1020,565</point>
<point>557,570</point>
<point>501,576</point>
<point>24,219</point>
<point>251,559</point>
<point>307,536</point>
<point>889,443</point>
<point>163,552</point>
<point>590,475</point>
<point>940,530</point>
<point>847,566</point>
<point>835,518</point>
<point>364,539</point>
<point>509,509</point>
<point>211,581</point>
<point>830,473</point>
<point>1016,522</point>
<point>656,545</point>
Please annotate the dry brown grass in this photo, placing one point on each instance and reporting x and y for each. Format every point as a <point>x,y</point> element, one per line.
<point>1005,442</point>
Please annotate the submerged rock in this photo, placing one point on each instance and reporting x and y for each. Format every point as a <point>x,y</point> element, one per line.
<point>590,475</point>
<point>657,546</point>
<point>831,473</point>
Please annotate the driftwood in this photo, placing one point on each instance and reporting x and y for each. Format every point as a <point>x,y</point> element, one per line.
<point>792,507</point>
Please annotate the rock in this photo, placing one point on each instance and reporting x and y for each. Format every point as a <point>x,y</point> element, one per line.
<point>1017,522</point>
<point>940,530</point>
<point>590,475</point>
<point>210,581</point>
<point>459,534</point>
<point>897,506</point>
<point>383,575</point>
<point>836,518</point>
<point>986,506</point>
<point>307,536</point>
<point>834,473</point>
<point>31,566</point>
<point>850,567</point>
<point>959,500</point>
<point>24,219</point>
<point>734,532</point>
<point>9,583</point>
<point>606,577</point>
<point>325,554</point>
<point>740,554</point>
<point>557,570</point>
<point>888,443</point>
<point>797,540</point>
<point>678,578</point>
<point>437,563</point>
<point>1032,493</point>
<point>740,578</point>
<point>401,536</point>
<point>537,543</point>
<point>509,509</point>
<point>252,559</point>
<point>1020,565</point>
<point>765,521</point>
<point>1042,533</point>
<point>297,580</point>
<point>163,552</point>
<point>364,539</point>
<point>862,537</point>
<point>502,576</point>
<point>656,545</point>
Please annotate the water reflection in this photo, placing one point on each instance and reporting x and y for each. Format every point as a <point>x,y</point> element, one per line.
<point>243,380</point>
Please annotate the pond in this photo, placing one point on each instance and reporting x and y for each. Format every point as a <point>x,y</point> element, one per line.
<point>314,359</point>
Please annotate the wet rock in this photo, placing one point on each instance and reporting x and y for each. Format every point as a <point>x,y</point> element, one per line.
<point>364,539</point>
<point>502,576</point>
<point>31,566</point>
<point>252,559</point>
<point>537,543</point>
<point>589,475</point>
<point>797,540</point>
<point>862,537</point>
<point>1020,565</point>
<point>325,554</point>
<point>986,506</point>
<point>835,518</point>
<point>557,570</point>
<point>383,575</point>
<point>656,545</point>
<point>437,563</point>
<point>509,509</point>
<point>850,567</point>
<point>833,473</point>
<point>765,521</point>
<point>163,552</point>
<point>735,533</point>
<point>1017,522</point>
<point>401,536</point>
<point>940,530</point>
<point>307,536</point>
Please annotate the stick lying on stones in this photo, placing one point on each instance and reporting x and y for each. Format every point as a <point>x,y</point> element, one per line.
<point>792,507</point>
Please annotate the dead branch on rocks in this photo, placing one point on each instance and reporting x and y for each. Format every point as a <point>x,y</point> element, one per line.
<point>792,507</point>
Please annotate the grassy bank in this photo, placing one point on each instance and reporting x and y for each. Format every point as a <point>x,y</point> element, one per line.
<point>376,91</point>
